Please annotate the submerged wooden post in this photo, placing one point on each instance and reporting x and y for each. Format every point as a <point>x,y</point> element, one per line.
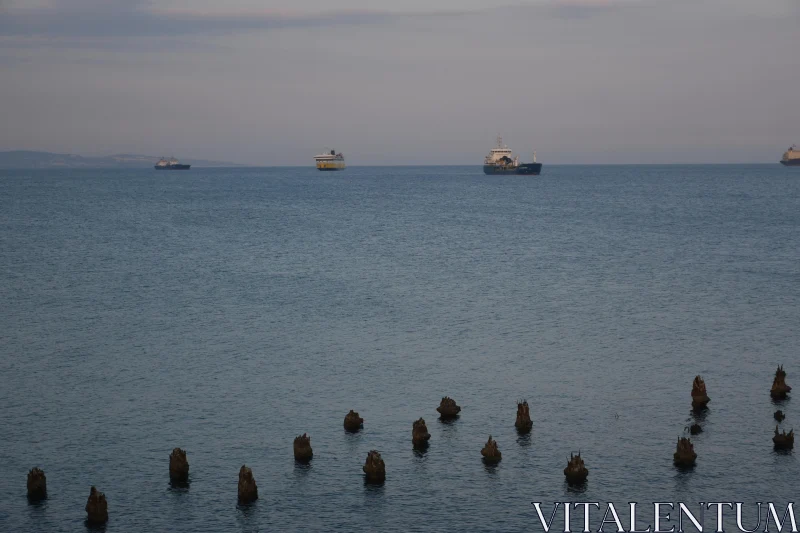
<point>178,466</point>
<point>37,484</point>
<point>490,452</point>
<point>448,409</point>
<point>523,422</point>
<point>699,396</point>
<point>96,507</point>
<point>576,471</point>
<point>353,422</point>
<point>302,448</point>
<point>374,468</point>
<point>684,454</point>
<point>783,441</point>
<point>419,434</point>
<point>779,388</point>
<point>248,490</point>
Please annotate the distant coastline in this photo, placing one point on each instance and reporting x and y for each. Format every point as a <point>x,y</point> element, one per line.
<point>36,159</point>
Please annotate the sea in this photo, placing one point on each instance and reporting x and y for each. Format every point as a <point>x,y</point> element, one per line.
<point>227,311</point>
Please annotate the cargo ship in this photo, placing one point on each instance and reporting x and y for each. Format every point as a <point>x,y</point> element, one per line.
<point>330,161</point>
<point>791,157</point>
<point>170,164</point>
<point>501,160</point>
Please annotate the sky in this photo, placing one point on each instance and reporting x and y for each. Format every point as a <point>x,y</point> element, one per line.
<point>267,82</point>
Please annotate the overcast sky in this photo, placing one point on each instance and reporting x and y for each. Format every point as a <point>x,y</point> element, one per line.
<point>403,82</point>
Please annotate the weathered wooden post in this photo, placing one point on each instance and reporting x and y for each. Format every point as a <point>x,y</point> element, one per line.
<point>96,507</point>
<point>37,484</point>
<point>248,490</point>
<point>353,422</point>
<point>178,466</point>
<point>302,448</point>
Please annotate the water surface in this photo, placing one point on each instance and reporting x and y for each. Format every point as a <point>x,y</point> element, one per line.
<point>227,311</point>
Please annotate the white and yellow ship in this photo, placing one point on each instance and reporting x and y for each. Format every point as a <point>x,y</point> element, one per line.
<point>791,157</point>
<point>330,161</point>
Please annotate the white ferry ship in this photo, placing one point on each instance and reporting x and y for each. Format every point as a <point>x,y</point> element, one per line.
<point>330,161</point>
<point>791,157</point>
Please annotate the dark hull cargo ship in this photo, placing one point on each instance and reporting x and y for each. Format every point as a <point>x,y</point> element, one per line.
<point>171,164</point>
<point>499,161</point>
<point>533,169</point>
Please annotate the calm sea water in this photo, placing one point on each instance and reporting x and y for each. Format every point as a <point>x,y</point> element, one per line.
<point>227,311</point>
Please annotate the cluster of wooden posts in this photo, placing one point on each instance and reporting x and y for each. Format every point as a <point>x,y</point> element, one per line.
<point>685,455</point>
<point>375,469</point>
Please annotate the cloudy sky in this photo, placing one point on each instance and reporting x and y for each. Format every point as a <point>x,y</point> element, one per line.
<point>270,82</point>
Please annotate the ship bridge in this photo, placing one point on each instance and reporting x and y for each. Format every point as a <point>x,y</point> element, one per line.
<point>499,153</point>
<point>501,148</point>
<point>329,156</point>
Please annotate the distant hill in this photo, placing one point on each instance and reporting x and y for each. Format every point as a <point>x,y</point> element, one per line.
<point>31,159</point>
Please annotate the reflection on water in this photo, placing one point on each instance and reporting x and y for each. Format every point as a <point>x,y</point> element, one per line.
<point>576,488</point>
<point>374,489</point>
<point>490,467</point>
<point>780,402</point>
<point>37,505</point>
<point>700,414</point>
<point>247,510</point>
<point>783,452</point>
<point>179,487</point>
<point>450,421</point>
<point>95,528</point>
<point>36,510</point>
<point>248,517</point>
<point>352,440</point>
<point>682,478</point>
<point>302,469</point>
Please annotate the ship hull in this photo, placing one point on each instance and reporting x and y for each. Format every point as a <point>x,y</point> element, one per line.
<point>530,169</point>
<point>330,169</point>
<point>493,169</point>
<point>173,167</point>
<point>526,169</point>
<point>791,163</point>
<point>331,165</point>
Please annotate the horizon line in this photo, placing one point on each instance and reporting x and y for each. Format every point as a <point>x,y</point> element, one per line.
<point>311,167</point>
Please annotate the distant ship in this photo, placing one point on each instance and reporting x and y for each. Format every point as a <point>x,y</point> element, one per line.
<point>499,161</point>
<point>791,157</point>
<point>170,164</point>
<point>330,161</point>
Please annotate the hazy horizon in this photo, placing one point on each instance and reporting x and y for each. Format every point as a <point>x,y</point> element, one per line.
<point>261,83</point>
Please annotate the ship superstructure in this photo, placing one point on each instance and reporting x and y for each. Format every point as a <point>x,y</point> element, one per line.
<point>170,164</point>
<point>501,160</point>
<point>330,161</point>
<point>791,157</point>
